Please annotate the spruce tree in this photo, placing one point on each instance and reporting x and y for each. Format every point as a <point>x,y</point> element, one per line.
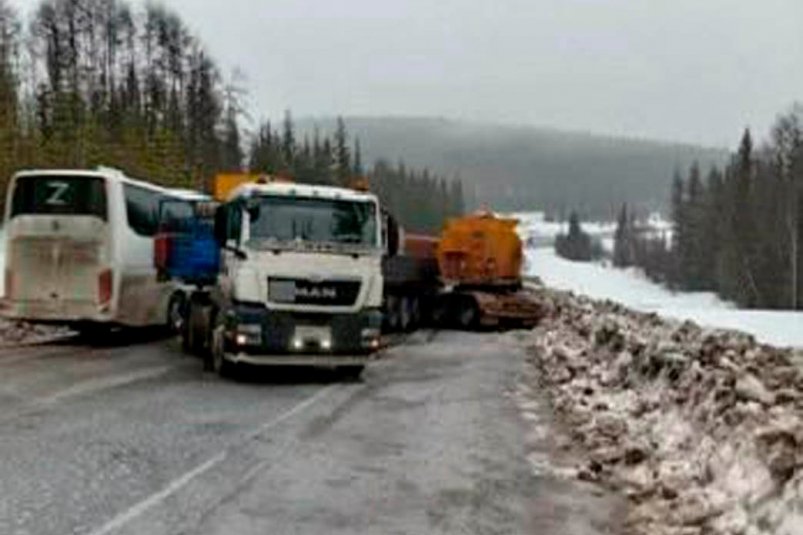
<point>693,254</point>
<point>623,240</point>
<point>358,170</point>
<point>288,154</point>
<point>679,230</point>
<point>341,155</point>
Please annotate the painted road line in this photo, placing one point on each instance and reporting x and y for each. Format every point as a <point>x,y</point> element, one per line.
<point>182,481</point>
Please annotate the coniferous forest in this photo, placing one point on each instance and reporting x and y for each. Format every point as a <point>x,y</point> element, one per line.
<point>97,82</point>
<point>736,231</point>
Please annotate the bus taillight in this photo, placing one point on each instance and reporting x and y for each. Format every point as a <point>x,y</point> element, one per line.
<point>105,286</point>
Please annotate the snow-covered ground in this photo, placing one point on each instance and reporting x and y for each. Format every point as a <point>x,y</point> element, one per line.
<point>634,290</point>
<point>540,232</point>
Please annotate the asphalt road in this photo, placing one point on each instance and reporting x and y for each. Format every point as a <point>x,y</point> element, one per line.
<point>136,439</point>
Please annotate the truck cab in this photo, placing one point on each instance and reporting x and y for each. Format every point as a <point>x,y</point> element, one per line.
<point>300,278</point>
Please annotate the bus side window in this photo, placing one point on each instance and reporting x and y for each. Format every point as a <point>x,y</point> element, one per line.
<point>175,216</point>
<point>142,209</point>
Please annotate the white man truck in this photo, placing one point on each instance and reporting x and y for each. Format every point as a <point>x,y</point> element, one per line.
<point>299,280</point>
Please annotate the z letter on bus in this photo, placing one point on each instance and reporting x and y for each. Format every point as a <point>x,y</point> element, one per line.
<point>57,196</point>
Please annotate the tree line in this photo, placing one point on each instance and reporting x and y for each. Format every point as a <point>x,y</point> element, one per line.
<point>737,230</point>
<point>94,82</point>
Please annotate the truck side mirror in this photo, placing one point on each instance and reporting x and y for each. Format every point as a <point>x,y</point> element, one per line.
<point>222,225</point>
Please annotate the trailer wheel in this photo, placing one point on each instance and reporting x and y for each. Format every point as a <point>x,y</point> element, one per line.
<point>468,315</point>
<point>405,314</point>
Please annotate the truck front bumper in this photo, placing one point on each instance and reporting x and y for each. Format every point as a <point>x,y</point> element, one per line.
<point>259,336</point>
<point>299,360</point>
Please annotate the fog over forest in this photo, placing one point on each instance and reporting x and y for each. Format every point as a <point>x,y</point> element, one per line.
<point>520,168</point>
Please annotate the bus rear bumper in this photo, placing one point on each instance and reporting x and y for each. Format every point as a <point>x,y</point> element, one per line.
<point>60,313</point>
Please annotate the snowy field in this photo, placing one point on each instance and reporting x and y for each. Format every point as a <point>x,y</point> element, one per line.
<point>632,289</point>
<point>541,232</point>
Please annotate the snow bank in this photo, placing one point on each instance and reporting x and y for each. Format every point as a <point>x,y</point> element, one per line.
<point>702,430</point>
<point>631,288</point>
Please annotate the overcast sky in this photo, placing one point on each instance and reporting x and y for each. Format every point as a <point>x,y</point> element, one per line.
<point>685,70</point>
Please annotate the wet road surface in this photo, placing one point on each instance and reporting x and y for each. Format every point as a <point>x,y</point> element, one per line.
<point>133,439</point>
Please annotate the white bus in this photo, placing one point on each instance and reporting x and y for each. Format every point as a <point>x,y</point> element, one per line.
<point>80,249</point>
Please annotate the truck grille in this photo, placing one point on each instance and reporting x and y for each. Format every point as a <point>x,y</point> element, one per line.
<point>307,292</point>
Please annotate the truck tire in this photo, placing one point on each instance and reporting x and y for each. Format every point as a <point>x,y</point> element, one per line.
<point>405,314</point>
<point>415,313</point>
<point>439,313</point>
<point>217,348</point>
<point>392,313</point>
<point>176,313</point>
<point>468,314</point>
<point>196,332</point>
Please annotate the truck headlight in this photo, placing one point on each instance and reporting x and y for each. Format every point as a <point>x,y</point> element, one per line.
<point>248,335</point>
<point>370,337</point>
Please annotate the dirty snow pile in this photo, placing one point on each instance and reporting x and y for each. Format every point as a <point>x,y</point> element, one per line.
<point>15,333</point>
<point>702,430</point>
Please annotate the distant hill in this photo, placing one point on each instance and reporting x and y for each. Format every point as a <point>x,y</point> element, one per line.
<point>525,168</point>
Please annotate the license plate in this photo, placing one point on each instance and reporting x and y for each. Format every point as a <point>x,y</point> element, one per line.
<point>313,333</point>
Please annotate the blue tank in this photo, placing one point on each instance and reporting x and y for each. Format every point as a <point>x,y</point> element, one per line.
<point>186,249</point>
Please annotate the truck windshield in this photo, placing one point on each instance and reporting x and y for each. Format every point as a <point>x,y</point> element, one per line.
<point>329,221</point>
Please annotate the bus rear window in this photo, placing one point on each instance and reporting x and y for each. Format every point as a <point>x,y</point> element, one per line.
<point>60,195</point>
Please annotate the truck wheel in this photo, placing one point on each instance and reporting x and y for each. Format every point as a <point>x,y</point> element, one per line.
<point>439,313</point>
<point>196,337</point>
<point>219,364</point>
<point>176,313</point>
<point>405,314</point>
<point>415,313</point>
<point>392,313</point>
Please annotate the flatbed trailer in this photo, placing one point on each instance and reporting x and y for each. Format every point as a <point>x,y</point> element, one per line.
<point>467,278</point>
